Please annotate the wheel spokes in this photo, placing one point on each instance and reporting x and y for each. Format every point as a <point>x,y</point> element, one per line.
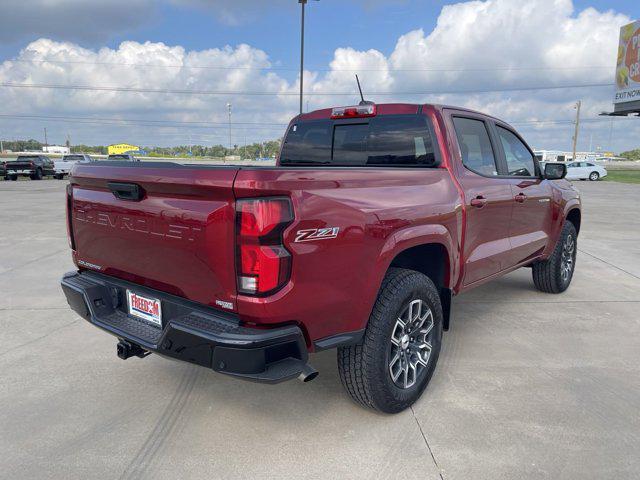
<point>398,332</point>
<point>395,366</point>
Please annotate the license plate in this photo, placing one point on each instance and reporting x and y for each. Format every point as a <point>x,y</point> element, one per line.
<point>146,308</point>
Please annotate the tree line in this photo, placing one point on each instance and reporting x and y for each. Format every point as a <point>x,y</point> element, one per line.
<point>269,148</point>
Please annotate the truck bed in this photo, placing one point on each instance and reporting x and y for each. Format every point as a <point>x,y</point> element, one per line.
<point>179,238</point>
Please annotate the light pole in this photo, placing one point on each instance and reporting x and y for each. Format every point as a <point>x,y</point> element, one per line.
<point>302,4</point>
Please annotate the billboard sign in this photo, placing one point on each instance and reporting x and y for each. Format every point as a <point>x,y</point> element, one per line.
<point>121,148</point>
<point>628,66</point>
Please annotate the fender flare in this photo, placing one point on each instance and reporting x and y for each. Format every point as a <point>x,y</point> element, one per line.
<point>560,218</point>
<point>414,236</point>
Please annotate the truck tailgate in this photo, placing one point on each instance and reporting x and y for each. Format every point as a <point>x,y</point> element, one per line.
<point>177,236</point>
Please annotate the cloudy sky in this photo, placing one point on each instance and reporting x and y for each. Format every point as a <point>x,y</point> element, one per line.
<point>162,72</point>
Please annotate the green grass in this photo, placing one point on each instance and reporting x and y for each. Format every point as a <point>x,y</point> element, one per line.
<point>624,176</point>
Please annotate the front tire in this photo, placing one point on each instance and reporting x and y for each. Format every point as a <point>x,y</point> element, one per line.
<point>13,178</point>
<point>554,274</point>
<point>391,366</point>
<point>594,176</point>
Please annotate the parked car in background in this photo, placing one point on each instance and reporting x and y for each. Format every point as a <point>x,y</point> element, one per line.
<point>35,167</point>
<point>585,171</point>
<point>374,216</point>
<point>122,157</point>
<point>64,165</point>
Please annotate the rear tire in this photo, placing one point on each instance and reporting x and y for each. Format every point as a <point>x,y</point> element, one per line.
<point>404,334</point>
<point>554,274</point>
<point>594,176</point>
<point>13,178</point>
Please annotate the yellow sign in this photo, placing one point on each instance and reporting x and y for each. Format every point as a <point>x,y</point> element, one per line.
<point>121,148</point>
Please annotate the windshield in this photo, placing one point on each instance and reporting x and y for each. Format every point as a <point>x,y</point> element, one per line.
<point>72,158</point>
<point>389,140</point>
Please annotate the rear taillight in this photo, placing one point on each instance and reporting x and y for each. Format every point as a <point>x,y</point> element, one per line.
<point>72,242</point>
<point>263,263</point>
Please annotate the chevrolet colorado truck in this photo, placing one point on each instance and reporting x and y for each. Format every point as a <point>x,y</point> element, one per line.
<point>373,218</point>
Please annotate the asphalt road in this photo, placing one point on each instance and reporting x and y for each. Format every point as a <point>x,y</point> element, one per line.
<point>528,385</point>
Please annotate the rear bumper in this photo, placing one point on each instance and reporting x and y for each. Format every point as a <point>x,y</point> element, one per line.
<point>20,171</point>
<point>190,332</point>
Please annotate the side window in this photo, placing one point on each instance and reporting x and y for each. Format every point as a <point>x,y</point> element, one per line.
<point>519,159</point>
<point>475,146</point>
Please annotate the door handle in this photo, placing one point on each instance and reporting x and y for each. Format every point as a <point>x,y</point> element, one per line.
<point>126,191</point>
<point>479,201</point>
<point>520,198</point>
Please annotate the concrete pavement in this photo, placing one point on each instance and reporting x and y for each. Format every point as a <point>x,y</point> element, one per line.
<point>528,385</point>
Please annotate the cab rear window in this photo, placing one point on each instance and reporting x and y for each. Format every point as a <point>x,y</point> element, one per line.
<point>386,141</point>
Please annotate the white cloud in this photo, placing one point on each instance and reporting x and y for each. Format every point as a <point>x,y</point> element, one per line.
<point>477,45</point>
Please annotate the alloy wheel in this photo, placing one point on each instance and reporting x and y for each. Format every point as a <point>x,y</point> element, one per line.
<point>567,258</point>
<point>411,344</point>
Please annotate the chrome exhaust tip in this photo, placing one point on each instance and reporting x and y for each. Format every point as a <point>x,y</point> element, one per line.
<point>307,374</point>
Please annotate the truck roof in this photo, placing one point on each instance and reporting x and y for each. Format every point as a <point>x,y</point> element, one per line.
<point>393,109</point>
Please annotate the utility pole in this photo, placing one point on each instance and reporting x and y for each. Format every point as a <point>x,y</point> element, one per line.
<point>575,134</point>
<point>46,144</point>
<point>611,135</point>
<point>230,144</point>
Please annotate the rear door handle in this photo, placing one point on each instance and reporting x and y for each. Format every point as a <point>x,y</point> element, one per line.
<point>520,198</point>
<point>479,201</point>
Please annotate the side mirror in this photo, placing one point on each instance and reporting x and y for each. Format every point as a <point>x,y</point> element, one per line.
<point>555,171</point>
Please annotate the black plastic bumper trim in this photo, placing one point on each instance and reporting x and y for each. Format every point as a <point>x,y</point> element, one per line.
<point>190,332</point>
<point>339,340</point>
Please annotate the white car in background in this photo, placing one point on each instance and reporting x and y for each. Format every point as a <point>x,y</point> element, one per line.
<point>585,171</point>
<point>63,167</point>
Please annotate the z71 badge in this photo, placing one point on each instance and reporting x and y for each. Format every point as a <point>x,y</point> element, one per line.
<point>317,234</point>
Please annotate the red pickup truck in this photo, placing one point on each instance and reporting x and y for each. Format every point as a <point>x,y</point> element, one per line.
<point>374,217</point>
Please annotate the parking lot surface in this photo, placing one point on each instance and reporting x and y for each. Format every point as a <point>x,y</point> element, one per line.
<point>529,385</point>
